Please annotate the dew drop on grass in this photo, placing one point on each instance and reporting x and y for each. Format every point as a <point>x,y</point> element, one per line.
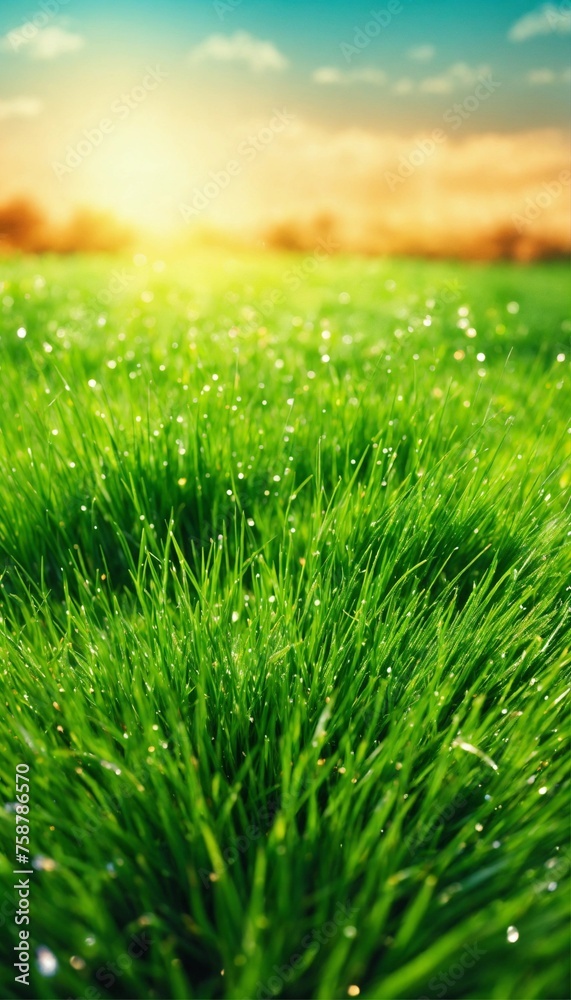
<point>47,962</point>
<point>512,934</point>
<point>110,767</point>
<point>43,864</point>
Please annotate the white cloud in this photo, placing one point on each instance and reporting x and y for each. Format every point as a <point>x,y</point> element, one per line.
<point>422,53</point>
<point>545,20</point>
<point>458,75</point>
<point>41,43</point>
<point>403,86</point>
<point>331,75</point>
<point>19,107</point>
<point>241,47</point>
<point>539,77</point>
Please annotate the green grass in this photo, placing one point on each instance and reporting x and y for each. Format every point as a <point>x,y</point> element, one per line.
<point>284,638</point>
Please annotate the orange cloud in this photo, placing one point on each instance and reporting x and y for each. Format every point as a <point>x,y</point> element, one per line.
<point>478,195</point>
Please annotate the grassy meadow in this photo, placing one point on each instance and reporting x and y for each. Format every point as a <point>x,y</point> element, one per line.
<point>284,626</point>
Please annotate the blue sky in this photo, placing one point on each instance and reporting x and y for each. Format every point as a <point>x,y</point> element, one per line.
<point>228,63</point>
<point>121,36</point>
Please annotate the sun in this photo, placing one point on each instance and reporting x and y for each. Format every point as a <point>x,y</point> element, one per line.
<point>140,176</point>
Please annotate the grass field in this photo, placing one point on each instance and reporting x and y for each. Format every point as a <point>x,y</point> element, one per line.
<point>284,627</point>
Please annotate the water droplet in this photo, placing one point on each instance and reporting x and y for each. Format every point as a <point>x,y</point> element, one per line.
<point>47,962</point>
<point>41,863</point>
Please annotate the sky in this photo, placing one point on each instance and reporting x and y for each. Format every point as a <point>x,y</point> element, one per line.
<point>134,106</point>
